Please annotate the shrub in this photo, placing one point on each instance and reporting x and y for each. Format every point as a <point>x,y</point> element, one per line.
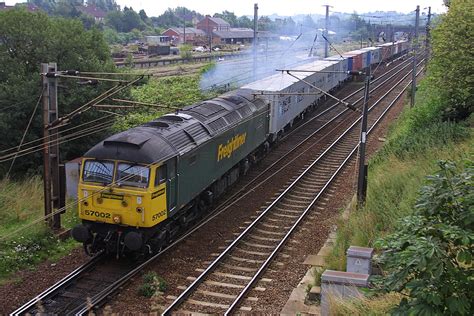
<point>151,284</point>
<point>429,257</point>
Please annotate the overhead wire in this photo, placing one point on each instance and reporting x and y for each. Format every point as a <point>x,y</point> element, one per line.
<point>107,187</point>
<point>25,132</point>
<point>59,132</point>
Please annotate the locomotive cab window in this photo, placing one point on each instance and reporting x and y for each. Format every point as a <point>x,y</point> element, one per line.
<point>132,175</point>
<point>160,176</point>
<point>98,171</point>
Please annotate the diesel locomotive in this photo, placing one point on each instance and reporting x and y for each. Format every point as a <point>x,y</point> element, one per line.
<point>139,188</point>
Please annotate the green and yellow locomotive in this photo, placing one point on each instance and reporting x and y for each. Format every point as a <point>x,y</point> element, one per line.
<point>140,187</point>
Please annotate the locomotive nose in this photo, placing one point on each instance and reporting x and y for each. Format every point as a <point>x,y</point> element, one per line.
<point>81,233</point>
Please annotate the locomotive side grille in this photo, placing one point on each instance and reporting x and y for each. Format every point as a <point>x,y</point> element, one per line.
<point>245,111</point>
<point>180,140</point>
<point>218,124</point>
<point>232,117</point>
<point>197,132</point>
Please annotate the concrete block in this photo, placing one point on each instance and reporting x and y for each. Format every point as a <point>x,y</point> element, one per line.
<point>340,285</point>
<point>359,259</point>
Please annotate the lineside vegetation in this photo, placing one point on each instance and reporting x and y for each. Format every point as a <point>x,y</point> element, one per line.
<point>423,225</point>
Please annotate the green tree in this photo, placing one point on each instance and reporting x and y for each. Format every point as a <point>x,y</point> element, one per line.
<point>244,21</point>
<point>451,69</point>
<point>131,20</point>
<point>26,40</point>
<point>114,19</point>
<point>229,17</point>
<point>266,24</point>
<point>429,258</point>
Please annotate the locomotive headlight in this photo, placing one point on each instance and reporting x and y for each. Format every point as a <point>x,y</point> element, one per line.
<point>117,219</point>
<point>139,200</point>
<point>85,193</point>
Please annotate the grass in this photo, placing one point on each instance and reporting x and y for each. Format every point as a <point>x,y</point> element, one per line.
<point>25,240</point>
<point>397,172</point>
<point>363,306</point>
<point>392,190</point>
<point>415,142</point>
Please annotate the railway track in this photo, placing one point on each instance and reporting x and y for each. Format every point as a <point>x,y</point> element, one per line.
<point>84,288</point>
<point>223,286</point>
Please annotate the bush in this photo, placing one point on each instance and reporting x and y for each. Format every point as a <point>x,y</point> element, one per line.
<point>151,284</point>
<point>429,257</point>
<point>452,64</point>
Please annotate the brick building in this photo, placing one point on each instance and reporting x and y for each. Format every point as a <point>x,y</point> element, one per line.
<point>210,24</point>
<point>194,36</point>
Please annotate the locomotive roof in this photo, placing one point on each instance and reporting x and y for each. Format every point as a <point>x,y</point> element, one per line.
<point>282,81</point>
<point>175,134</point>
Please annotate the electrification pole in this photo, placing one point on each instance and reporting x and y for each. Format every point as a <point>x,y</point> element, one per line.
<point>362,175</point>
<point>326,32</point>
<point>51,172</point>
<point>428,37</point>
<point>184,26</point>
<point>415,46</point>
<point>255,39</point>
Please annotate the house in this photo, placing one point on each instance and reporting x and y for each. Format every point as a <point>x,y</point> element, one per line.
<point>92,10</point>
<point>210,24</point>
<point>193,35</point>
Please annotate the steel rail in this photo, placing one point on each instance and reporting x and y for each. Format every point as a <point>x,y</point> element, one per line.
<point>257,275</point>
<point>71,277</point>
<point>190,289</point>
<point>238,195</point>
<point>99,298</point>
<point>102,296</point>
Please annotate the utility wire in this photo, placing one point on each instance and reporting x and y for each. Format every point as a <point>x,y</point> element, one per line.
<point>24,133</point>
<point>57,133</point>
<point>107,187</point>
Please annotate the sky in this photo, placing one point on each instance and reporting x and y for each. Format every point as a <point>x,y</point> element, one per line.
<point>280,7</point>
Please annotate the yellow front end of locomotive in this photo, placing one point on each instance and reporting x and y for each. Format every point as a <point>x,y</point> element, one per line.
<point>121,193</point>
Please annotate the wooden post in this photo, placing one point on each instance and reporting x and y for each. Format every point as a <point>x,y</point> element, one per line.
<point>51,174</point>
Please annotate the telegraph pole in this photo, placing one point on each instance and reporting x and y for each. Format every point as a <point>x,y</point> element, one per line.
<point>51,172</point>
<point>415,46</point>
<point>255,39</point>
<point>428,37</point>
<point>184,26</point>
<point>362,175</point>
<point>326,32</point>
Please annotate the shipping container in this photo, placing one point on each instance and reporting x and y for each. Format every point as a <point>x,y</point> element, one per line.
<point>289,97</point>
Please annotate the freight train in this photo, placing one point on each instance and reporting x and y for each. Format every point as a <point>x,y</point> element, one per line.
<point>140,188</point>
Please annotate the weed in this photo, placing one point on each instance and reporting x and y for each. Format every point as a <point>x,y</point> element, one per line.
<point>152,283</point>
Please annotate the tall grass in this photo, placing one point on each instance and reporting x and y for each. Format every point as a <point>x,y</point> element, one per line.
<point>397,172</point>
<point>25,239</point>
<point>363,306</point>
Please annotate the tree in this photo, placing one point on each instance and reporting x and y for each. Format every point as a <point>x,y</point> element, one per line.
<point>114,19</point>
<point>67,9</point>
<point>451,68</point>
<point>26,40</point>
<point>143,15</point>
<point>131,20</point>
<point>244,21</point>
<point>429,258</point>
<point>227,16</point>
<point>266,24</point>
